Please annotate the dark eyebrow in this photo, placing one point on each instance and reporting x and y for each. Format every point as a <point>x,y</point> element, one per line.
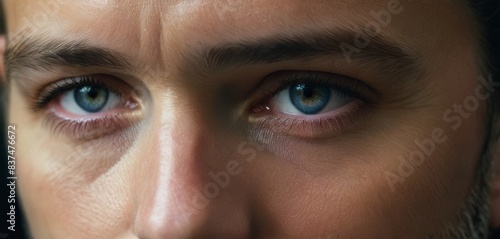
<point>45,54</point>
<point>380,53</point>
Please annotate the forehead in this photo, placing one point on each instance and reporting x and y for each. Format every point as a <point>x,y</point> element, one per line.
<point>145,28</point>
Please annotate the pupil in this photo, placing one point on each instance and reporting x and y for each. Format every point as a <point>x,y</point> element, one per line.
<point>308,92</point>
<point>91,98</point>
<point>309,98</point>
<point>93,93</point>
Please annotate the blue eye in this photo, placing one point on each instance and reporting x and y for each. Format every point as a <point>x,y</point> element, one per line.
<point>309,99</point>
<point>91,99</point>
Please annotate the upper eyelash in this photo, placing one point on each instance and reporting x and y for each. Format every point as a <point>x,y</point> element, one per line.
<point>351,88</point>
<point>54,90</point>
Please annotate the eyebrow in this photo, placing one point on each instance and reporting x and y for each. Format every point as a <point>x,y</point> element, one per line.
<point>45,54</point>
<point>380,53</point>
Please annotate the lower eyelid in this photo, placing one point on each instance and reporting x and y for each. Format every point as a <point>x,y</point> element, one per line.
<point>337,112</point>
<point>113,101</point>
<point>86,127</point>
<point>338,105</point>
<point>121,105</point>
<point>90,128</point>
<point>318,126</point>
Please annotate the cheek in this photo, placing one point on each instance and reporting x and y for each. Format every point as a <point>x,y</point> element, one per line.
<point>61,200</point>
<point>426,170</point>
<point>335,201</point>
<point>78,189</point>
<point>395,177</point>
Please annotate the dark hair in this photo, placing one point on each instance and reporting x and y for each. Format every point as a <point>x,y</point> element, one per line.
<point>487,13</point>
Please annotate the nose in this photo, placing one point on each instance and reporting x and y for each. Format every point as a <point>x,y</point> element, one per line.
<point>184,190</point>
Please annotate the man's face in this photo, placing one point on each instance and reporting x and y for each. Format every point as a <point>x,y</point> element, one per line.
<point>244,119</point>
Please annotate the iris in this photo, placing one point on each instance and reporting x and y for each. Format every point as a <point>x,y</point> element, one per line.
<point>91,98</point>
<point>309,98</point>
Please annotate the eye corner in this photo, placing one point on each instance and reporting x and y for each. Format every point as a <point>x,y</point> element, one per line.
<point>337,103</point>
<point>80,105</point>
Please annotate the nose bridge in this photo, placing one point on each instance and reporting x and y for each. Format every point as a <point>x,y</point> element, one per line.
<point>170,205</point>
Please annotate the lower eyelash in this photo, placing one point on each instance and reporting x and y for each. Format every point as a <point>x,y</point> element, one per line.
<point>91,128</point>
<point>310,128</point>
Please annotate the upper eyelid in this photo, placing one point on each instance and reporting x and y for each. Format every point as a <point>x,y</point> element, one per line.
<point>279,82</point>
<point>54,89</point>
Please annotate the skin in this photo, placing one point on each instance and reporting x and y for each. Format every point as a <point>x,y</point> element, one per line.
<point>144,178</point>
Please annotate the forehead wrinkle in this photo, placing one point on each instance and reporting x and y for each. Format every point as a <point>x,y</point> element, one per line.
<point>217,30</point>
<point>149,37</point>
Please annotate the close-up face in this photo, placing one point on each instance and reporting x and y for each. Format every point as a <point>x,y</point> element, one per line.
<point>250,119</point>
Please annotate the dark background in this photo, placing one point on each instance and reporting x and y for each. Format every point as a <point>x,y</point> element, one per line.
<point>4,192</point>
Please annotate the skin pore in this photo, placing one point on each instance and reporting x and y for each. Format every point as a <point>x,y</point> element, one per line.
<point>199,143</point>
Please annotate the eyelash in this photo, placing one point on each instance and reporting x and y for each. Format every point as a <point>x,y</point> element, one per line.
<point>53,91</point>
<point>84,129</point>
<point>348,87</point>
<point>274,84</point>
<point>317,127</point>
<point>87,129</point>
